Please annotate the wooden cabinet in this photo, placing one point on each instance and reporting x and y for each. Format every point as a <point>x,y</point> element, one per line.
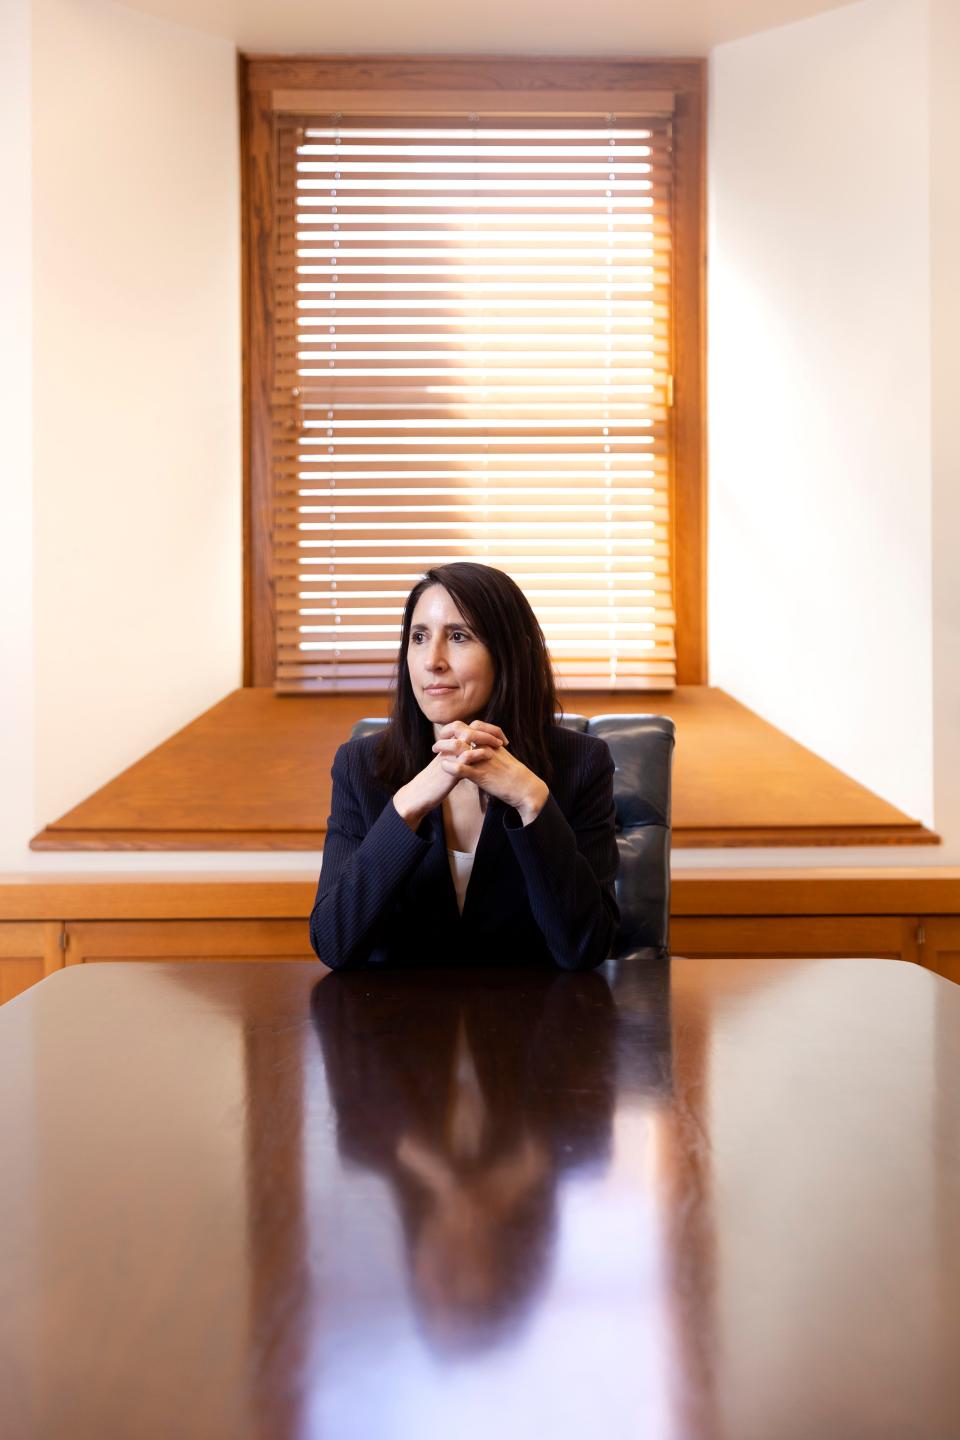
<point>929,940</point>
<point>88,940</point>
<point>940,945</point>
<point>892,937</point>
<point>29,950</point>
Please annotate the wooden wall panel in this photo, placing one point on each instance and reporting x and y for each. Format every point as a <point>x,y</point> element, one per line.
<point>940,950</point>
<point>90,940</point>
<point>795,936</point>
<point>28,952</point>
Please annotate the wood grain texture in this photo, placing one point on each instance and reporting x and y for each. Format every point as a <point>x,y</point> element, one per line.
<point>689,512</point>
<point>253,772</point>
<point>186,896</point>
<point>896,891</point>
<point>814,835</point>
<point>219,940</point>
<point>888,937</point>
<point>186,840</point>
<point>258,185</point>
<point>940,945</point>
<point>28,953</point>
<point>464,73</point>
<point>223,1186</point>
<point>817,890</point>
<point>487,103</point>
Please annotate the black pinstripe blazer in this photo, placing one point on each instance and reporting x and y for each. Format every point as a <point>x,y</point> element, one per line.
<point>542,892</point>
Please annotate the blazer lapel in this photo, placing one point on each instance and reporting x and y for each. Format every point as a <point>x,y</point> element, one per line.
<point>493,851</point>
<point>437,864</point>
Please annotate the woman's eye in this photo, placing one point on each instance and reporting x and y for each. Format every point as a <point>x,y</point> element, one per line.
<point>459,635</point>
<point>416,637</point>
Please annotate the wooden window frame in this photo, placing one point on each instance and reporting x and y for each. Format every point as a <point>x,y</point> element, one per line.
<point>266,84</point>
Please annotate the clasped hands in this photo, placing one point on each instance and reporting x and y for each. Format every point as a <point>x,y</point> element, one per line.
<point>477,752</point>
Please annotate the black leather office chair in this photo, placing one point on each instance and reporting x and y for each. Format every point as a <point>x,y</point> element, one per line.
<point>642,750</point>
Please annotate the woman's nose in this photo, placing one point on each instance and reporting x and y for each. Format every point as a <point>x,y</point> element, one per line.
<point>436,659</point>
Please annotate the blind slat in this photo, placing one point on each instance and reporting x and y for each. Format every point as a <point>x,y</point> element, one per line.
<point>473,361</point>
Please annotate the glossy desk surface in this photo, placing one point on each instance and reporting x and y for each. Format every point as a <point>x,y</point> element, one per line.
<point>715,1199</point>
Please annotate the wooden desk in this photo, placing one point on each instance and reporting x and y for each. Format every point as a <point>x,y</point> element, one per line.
<point>713,1201</point>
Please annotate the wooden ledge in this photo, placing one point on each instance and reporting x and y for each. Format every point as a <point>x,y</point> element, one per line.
<point>57,837</point>
<point>803,835</point>
<point>900,890</point>
<point>163,896</point>
<point>253,773</point>
<point>817,890</point>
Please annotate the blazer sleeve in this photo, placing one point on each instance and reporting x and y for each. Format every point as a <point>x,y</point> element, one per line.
<point>569,863</point>
<point>363,869</point>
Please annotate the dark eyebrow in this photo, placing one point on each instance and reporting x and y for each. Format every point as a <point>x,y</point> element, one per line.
<point>454,625</point>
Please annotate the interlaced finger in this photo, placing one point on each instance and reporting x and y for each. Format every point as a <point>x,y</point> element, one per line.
<point>465,744</point>
<point>485,727</point>
<point>458,736</point>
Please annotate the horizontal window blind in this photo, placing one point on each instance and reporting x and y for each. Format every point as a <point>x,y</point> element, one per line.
<point>473,362</point>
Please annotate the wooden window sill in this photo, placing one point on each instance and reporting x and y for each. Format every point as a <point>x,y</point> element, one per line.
<point>253,773</point>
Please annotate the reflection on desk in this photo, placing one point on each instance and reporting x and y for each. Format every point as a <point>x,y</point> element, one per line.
<point>458,1093</point>
<point>686,1202</point>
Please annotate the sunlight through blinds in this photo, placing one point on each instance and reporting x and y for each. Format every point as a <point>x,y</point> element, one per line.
<point>473,362</point>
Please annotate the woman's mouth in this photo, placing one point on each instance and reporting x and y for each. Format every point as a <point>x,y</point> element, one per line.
<point>439,689</point>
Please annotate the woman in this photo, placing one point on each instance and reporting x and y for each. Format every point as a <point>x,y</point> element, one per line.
<point>473,830</point>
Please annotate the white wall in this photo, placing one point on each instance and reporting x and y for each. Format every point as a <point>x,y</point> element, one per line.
<point>16,497</point>
<point>945,262</point>
<point>136,373</point>
<point>820,388</point>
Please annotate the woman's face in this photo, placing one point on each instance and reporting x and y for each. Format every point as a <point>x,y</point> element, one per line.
<point>451,670</point>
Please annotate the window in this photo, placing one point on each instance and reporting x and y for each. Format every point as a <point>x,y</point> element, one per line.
<point>473,332</point>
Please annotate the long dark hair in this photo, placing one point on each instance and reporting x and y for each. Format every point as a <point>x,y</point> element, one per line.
<point>524,697</point>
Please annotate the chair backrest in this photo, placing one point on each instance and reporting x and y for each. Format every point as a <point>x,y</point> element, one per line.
<point>642,750</point>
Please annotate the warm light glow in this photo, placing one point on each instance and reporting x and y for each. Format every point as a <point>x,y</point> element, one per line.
<point>482,337</point>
